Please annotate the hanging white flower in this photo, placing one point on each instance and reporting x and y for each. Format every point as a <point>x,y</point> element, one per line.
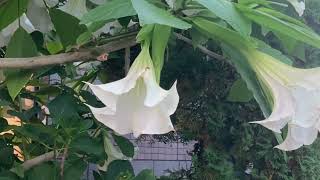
<point>136,104</point>
<point>296,99</point>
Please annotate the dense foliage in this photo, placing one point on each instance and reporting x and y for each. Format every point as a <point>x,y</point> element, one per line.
<point>215,106</point>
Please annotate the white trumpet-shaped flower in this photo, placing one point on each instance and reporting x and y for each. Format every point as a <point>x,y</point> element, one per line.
<point>296,99</point>
<point>136,104</point>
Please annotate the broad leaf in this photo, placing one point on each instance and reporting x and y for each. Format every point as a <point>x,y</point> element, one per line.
<point>111,10</point>
<point>160,40</point>
<point>125,145</point>
<point>281,24</point>
<point>64,110</point>
<point>146,174</point>
<point>217,31</point>
<point>151,14</point>
<point>74,169</point>
<point>44,171</point>
<point>20,45</point>
<point>9,11</point>
<point>70,33</point>
<point>145,32</point>
<point>85,144</point>
<point>119,169</point>
<point>228,12</point>
<point>239,92</point>
<point>3,124</point>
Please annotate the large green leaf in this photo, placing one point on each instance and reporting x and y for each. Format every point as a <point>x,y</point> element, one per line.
<point>217,31</point>
<point>10,12</point>
<point>20,45</point>
<point>119,169</point>
<point>6,156</point>
<point>146,174</point>
<point>85,144</point>
<point>125,145</point>
<point>43,171</point>
<point>3,124</point>
<point>64,110</point>
<point>159,44</point>
<point>74,169</point>
<point>67,27</point>
<point>111,10</point>
<point>228,12</point>
<point>151,14</point>
<point>281,24</point>
<point>239,92</point>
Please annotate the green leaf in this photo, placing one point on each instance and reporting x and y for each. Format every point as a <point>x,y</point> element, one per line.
<point>111,10</point>
<point>125,145</point>
<point>151,14</point>
<point>119,169</point>
<point>74,169</point>
<point>3,124</point>
<point>85,144</point>
<point>159,44</point>
<point>282,24</point>
<point>239,92</point>
<point>37,132</point>
<point>7,175</point>
<point>9,11</point>
<point>145,174</point>
<point>262,46</point>
<point>228,12</point>
<point>63,107</point>
<point>67,27</point>
<point>20,45</point>
<point>145,32</point>
<point>54,47</point>
<point>43,171</point>
<point>221,33</point>
<point>6,155</point>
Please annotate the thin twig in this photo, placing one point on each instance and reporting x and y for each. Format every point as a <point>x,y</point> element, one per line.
<point>127,60</point>
<point>81,55</point>
<point>63,158</point>
<point>201,48</point>
<point>38,160</point>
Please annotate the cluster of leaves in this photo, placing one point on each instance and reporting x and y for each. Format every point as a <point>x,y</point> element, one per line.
<point>228,147</point>
<point>67,127</point>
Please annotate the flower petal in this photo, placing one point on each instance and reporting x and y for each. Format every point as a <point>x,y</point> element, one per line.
<point>307,107</point>
<point>155,93</point>
<point>282,106</point>
<point>107,98</point>
<point>298,136</point>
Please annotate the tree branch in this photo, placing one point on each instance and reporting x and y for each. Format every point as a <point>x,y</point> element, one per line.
<point>86,54</point>
<point>201,48</point>
<point>81,55</point>
<point>38,160</point>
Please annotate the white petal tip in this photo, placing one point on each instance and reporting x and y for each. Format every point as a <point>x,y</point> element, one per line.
<point>264,124</point>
